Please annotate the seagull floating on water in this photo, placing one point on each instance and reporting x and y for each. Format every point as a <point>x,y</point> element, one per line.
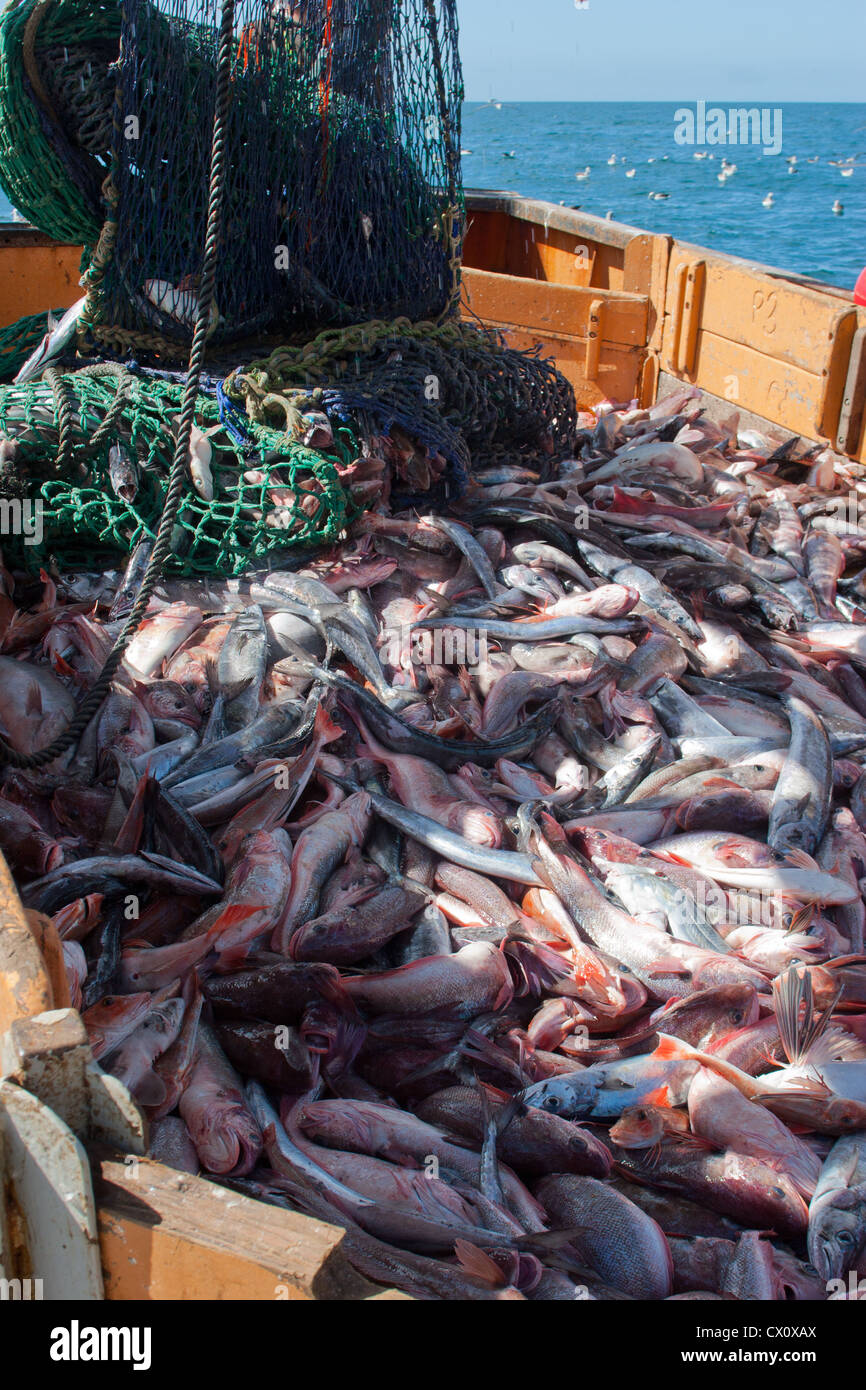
<point>847,173</point>
<point>612,159</point>
<point>838,208</point>
<point>583,174</point>
<point>769,201</point>
<point>630,173</point>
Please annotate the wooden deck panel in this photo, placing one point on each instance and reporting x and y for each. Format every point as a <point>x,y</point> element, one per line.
<point>597,338</point>
<point>165,1235</point>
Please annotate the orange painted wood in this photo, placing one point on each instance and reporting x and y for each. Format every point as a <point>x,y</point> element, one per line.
<point>37,276</point>
<point>782,394</point>
<point>645,271</point>
<point>787,322</point>
<point>166,1235</point>
<point>788,344</point>
<point>25,981</point>
<point>555,309</point>
<point>558,317</point>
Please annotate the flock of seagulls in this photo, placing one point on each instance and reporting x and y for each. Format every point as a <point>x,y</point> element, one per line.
<point>846,168</point>
<point>728,170</point>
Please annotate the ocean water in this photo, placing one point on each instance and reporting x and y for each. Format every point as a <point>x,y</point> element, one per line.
<point>552,141</point>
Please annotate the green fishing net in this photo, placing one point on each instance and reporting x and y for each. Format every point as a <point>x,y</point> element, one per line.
<point>271,494</point>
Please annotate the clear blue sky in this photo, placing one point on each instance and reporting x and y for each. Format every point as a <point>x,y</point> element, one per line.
<point>664,50</point>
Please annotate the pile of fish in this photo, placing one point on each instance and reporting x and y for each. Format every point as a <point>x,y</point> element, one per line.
<point>492,886</point>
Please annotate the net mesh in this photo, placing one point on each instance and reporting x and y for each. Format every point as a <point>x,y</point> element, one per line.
<point>342,192</point>
<point>338,270</point>
<point>271,494</point>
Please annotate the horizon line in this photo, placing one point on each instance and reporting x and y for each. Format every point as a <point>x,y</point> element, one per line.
<point>657,101</point>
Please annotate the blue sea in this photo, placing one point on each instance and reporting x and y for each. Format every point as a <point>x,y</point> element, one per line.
<point>551,142</point>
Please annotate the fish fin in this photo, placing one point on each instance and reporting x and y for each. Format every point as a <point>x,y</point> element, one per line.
<point>674,1049</point>
<point>33,699</point>
<point>729,853</point>
<point>495,1092</point>
<point>660,1096</point>
<point>801,919</point>
<point>668,965</point>
<point>792,992</point>
<point>695,1141</point>
<point>325,728</point>
<point>800,859</point>
<point>233,915</point>
<point>233,689</point>
<point>62,667</point>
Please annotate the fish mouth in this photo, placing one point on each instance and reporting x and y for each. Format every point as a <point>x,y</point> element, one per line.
<point>53,859</point>
<point>191,719</point>
<point>829,1260</point>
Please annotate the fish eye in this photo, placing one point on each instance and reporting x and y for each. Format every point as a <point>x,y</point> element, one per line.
<point>551,1103</point>
<point>640,1114</point>
<point>845,1239</point>
<point>777,1192</point>
<point>787,919</point>
<point>737,1016</point>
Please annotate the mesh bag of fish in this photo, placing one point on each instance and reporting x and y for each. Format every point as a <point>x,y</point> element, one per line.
<point>86,462</point>
<point>482,853</point>
<point>275,466</point>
